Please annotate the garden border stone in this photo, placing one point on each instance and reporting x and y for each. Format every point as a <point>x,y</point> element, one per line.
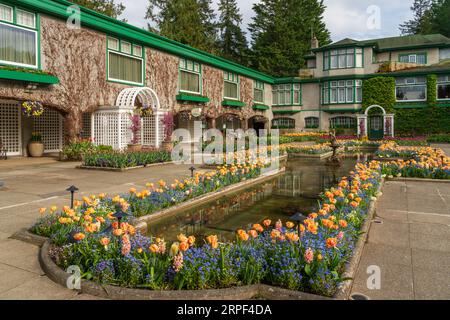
<point>61,277</point>
<point>418,180</point>
<point>27,236</point>
<point>123,169</point>
<point>310,156</point>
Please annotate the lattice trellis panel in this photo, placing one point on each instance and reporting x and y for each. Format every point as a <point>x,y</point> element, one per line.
<point>126,134</point>
<point>86,125</point>
<point>105,131</point>
<point>50,125</point>
<point>10,134</point>
<point>149,131</point>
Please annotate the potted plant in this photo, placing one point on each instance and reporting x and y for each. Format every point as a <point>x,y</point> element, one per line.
<point>36,147</point>
<point>168,131</point>
<point>135,128</point>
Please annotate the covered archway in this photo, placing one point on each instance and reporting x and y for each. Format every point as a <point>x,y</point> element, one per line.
<point>111,125</point>
<point>375,123</point>
<point>257,123</point>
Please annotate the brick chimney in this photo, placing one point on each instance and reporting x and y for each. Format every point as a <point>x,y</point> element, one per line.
<point>314,42</point>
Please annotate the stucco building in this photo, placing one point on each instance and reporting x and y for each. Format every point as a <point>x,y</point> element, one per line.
<point>89,77</point>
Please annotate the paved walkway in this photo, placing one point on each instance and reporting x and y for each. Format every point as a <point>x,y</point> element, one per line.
<point>412,245</point>
<point>34,183</point>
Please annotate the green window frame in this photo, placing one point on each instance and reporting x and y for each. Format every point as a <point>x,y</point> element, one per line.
<point>343,122</point>
<point>19,37</point>
<point>258,91</point>
<point>341,92</point>
<point>416,57</point>
<point>443,88</point>
<point>190,79</point>
<point>287,94</point>
<point>283,123</point>
<point>344,58</point>
<point>231,86</point>
<point>311,122</point>
<point>411,89</point>
<point>125,62</point>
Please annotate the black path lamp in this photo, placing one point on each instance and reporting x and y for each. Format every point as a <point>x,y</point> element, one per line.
<point>72,190</point>
<point>298,218</point>
<point>119,215</point>
<point>192,169</point>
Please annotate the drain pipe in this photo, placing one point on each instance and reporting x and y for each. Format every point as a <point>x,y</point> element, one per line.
<point>359,296</point>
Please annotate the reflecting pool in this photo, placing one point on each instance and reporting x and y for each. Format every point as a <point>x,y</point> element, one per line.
<point>296,191</point>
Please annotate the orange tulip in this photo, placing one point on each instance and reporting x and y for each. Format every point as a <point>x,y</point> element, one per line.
<point>331,243</point>
<point>79,236</point>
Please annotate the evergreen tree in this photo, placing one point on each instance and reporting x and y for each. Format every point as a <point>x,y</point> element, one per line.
<point>232,43</point>
<point>421,23</point>
<point>281,34</point>
<point>188,21</point>
<point>440,17</point>
<point>106,7</point>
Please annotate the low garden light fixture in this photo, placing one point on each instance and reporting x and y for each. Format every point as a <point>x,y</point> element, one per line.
<point>72,189</point>
<point>298,218</point>
<point>119,215</point>
<point>192,169</point>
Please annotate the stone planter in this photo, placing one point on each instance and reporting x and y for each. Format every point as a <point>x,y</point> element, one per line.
<point>135,147</point>
<point>36,149</point>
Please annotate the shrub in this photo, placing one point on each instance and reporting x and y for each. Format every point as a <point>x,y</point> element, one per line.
<point>120,160</point>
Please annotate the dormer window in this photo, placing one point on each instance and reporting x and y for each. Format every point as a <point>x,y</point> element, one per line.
<point>343,58</point>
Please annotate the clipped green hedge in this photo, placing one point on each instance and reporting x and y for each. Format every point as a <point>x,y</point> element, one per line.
<point>117,159</point>
<point>409,121</point>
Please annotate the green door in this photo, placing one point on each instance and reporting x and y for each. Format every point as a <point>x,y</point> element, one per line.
<point>376,128</point>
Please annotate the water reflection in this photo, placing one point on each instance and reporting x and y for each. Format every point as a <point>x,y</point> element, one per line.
<point>294,192</point>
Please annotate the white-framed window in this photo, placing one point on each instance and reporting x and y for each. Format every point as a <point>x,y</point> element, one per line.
<point>190,76</point>
<point>258,91</point>
<point>443,87</point>
<point>231,85</point>
<point>6,13</point>
<point>124,65</point>
<point>19,39</point>
<point>286,94</point>
<point>341,92</point>
<point>419,58</point>
<point>343,58</point>
<point>311,122</point>
<point>25,19</point>
<point>411,89</point>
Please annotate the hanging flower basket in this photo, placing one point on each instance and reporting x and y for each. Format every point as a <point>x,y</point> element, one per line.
<point>32,109</point>
<point>145,111</point>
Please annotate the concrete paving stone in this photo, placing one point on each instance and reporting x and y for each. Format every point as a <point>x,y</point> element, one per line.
<point>39,288</point>
<point>429,242</point>
<point>375,254</point>
<point>431,204</point>
<point>392,215</point>
<point>439,230</point>
<point>4,235</point>
<point>390,233</point>
<point>13,277</point>
<point>429,218</point>
<point>429,259</point>
<point>396,281</point>
<point>10,225</point>
<point>431,285</point>
<point>20,255</point>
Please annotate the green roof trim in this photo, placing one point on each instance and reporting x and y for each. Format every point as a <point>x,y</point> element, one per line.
<point>410,106</point>
<point>233,103</point>
<point>116,28</point>
<point>262,107</point>
<point>286,111</point>
<point>342,110</point>
<point>28,76</point>
<point>192,98</point>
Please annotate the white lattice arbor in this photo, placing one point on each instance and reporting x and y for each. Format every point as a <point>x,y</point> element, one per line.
<point>388,122</point>
<point>111,125</point>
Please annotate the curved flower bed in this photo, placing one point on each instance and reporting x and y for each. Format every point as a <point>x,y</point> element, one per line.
<point>310,257</point>
<point>121,160</point>
<point>426,162</point>
<point>392,150</point>
<point>314,149</point>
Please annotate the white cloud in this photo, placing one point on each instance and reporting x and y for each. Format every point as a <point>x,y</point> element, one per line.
<point>344,18</point>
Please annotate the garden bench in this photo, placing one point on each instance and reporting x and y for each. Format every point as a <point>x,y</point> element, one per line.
<point>3,150</point>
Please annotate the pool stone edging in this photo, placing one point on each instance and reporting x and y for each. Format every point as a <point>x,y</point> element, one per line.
<point>61,277</point>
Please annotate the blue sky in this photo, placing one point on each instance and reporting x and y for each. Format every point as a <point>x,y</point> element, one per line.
<point>344,18</point>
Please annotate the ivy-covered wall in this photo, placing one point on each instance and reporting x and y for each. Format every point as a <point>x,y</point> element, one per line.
<point>410,118</point>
